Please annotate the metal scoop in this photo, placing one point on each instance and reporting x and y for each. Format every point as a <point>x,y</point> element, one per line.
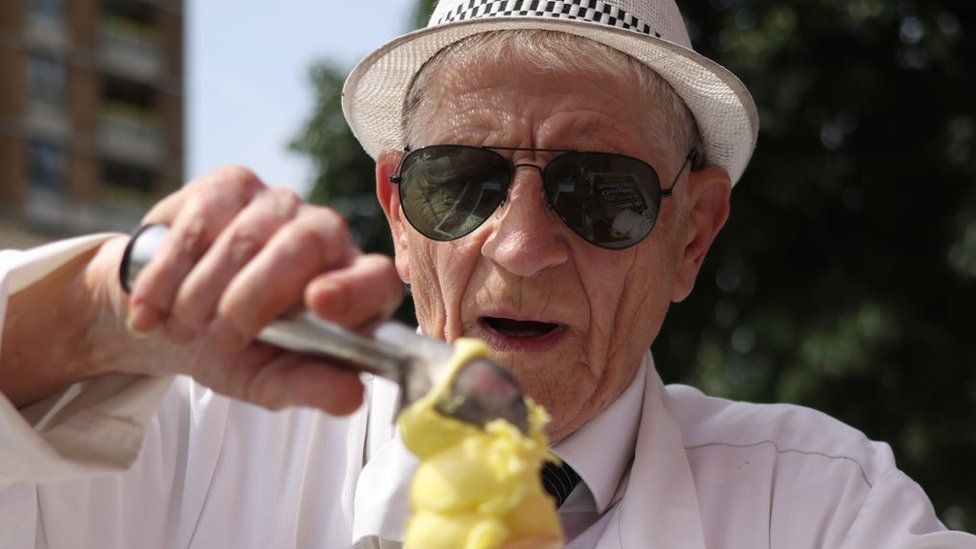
<point>480,392</point>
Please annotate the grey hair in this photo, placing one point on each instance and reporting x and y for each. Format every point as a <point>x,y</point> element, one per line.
<point>542,50</point>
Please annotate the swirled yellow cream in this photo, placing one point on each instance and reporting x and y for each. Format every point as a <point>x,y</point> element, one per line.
<point>476,488</point>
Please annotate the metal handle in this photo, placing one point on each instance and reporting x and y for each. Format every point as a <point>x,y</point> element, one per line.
<point>395,351</point>
<point>480,392</point>
<point>303,332</point>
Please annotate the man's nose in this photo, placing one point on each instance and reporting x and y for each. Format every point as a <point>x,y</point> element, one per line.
<point>526,237</point>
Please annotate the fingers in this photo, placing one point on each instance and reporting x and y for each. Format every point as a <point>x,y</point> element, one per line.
<point>238,255</point>
<point>197,299</point>
<point>312,384</point>
<point>195,216</point>
<point>292,380</point>
<point>274,379</point>
<point>317,240</point>
<point>366,289</point>
<point>232,180</point>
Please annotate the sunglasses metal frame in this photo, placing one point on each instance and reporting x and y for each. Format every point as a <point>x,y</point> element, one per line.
<point>691,158</point>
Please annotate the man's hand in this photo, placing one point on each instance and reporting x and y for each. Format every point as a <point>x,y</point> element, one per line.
<point>238,254</point>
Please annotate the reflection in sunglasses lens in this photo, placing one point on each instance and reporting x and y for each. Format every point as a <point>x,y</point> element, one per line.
<point>447,192</point>
<point>605,198</point>
<point>610,200</point>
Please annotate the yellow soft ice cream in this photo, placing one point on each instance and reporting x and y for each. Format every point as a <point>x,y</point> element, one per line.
<point>476,488</point>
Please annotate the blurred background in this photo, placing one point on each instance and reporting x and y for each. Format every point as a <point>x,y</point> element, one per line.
<point>845,279</point>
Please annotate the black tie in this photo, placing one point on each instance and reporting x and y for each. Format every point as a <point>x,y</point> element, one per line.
<point>559,481</point>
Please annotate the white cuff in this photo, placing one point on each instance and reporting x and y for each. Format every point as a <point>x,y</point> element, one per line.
<point>91,427</point>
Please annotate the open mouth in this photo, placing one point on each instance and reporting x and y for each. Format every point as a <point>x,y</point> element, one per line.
<point>519,329</point>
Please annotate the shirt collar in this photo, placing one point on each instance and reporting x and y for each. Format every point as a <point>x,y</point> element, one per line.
<point>601,450</point>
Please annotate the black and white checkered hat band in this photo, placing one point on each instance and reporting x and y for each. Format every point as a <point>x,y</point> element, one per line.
<point>594,11</point>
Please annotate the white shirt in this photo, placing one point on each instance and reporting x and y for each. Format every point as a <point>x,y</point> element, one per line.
<point>125,461</point>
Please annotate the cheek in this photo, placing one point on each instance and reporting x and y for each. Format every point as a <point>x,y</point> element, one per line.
<point>628,306</point>
<point>647,296</point>
<point>440,275</point>
<point>618,288</point>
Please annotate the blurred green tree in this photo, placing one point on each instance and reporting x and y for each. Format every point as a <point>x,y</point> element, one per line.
<point>846,277</point>
<point>421,12</point>
<point>343,171</point>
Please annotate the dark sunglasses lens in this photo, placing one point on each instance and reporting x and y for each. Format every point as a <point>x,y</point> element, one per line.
<point>608,199</point>
<point>448,191</point>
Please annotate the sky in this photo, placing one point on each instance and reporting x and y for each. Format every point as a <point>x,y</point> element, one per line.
<point>247,89</point>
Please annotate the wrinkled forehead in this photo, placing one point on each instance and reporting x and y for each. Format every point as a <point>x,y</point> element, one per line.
<point>578,85</point>
<point>492,59</point>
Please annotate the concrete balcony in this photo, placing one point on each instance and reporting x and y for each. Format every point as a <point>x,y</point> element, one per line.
<point>47,32</point>
<point>48,121</point>
<point>129,49</point>
<point>47,210</point>
<point>130,135</point>
<point>54,214</point>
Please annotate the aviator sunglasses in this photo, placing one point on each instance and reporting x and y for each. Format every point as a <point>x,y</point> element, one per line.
<point>610,200</point>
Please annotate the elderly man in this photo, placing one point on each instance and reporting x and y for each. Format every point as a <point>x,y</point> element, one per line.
<point>553,173</point>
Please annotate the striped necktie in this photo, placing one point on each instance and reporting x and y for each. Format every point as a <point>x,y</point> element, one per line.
<point>559,481</point>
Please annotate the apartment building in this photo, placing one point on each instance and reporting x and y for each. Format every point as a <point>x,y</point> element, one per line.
<point>91,114</point>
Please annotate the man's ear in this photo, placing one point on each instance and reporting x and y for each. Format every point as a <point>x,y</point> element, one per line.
<point>389,197</point>
<point>707,208</point>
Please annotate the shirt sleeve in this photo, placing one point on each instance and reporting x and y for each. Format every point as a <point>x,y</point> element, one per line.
<point>91,427</point>
<point>188,467</point>
<point>898,515</point>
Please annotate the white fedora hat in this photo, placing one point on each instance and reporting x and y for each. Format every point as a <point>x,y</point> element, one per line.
<point>651,31</point>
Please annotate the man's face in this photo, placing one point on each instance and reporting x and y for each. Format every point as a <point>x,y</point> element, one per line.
<point>597,310</point>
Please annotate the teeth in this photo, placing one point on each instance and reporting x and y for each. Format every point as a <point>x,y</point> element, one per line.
<point>522,329</point>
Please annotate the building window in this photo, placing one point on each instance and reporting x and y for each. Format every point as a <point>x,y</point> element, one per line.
<point>47,167</point>
<point>46,12</point>
<point>45,79</point>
